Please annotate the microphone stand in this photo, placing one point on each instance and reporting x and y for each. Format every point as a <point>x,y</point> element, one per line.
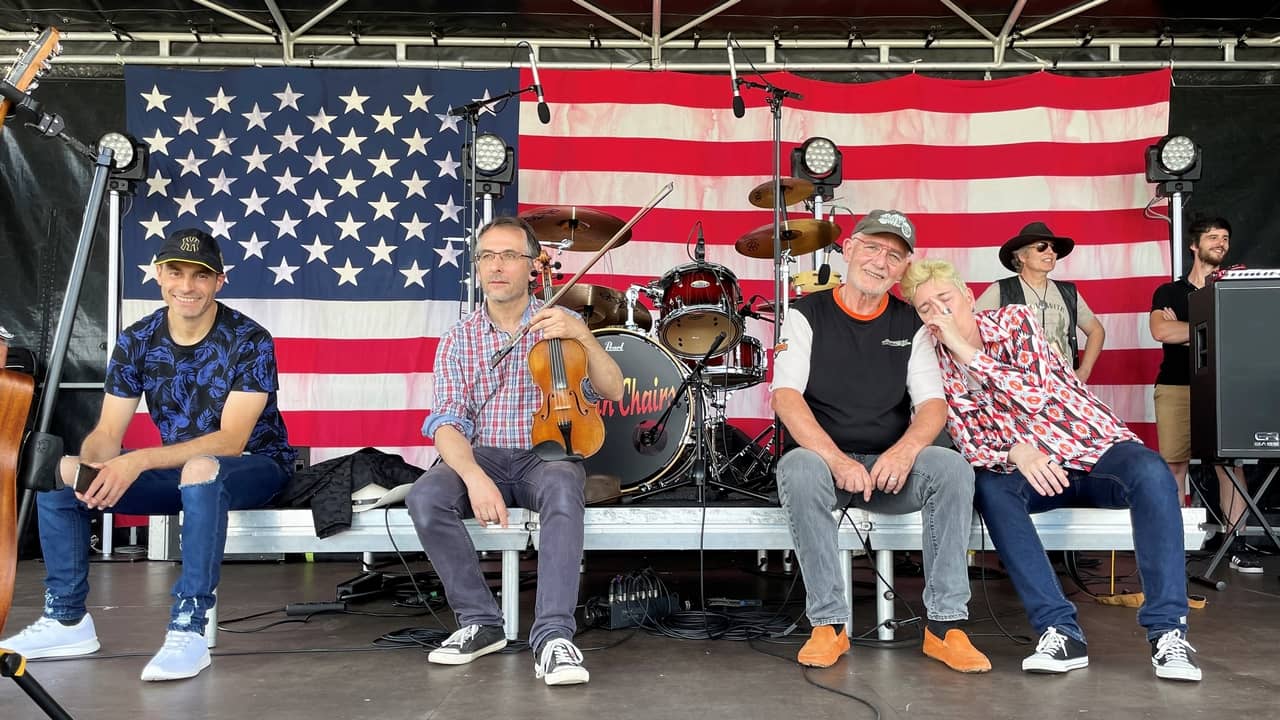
<point>781,295</point>
<point>471,112</point>
<point>698,468</point>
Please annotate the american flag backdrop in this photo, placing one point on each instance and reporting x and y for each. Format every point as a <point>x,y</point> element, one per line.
<point>337,194</point>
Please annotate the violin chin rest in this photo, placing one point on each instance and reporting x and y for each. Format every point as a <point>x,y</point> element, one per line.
<point>550,451</point>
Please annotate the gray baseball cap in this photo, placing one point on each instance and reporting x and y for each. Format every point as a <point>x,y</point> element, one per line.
<point>888,221</point>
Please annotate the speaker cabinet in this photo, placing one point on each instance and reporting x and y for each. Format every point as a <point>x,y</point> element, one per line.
<point>1235,369</point>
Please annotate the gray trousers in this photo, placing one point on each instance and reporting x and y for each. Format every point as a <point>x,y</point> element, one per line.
<point>940,485</point>
<point>438,503</point>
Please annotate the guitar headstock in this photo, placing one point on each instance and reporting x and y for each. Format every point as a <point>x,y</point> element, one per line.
<point>32,63</point>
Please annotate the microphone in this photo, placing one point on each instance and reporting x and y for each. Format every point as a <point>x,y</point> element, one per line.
<point>739,110</point>
<point>544,112</point>
<point>700,250</point>
<point>649,438</point>
<point>824,272</point>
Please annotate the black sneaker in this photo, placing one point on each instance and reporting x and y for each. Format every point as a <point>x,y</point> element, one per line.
<point>1056,653</point>
<point>469,643</point>
<point>1246,562</point>
<point>1174,658</point>
<point>560,663</point>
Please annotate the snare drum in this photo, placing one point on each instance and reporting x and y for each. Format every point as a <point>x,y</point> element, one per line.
<point>741,367</point>
<point>650,379</point>
<point>699,301</point>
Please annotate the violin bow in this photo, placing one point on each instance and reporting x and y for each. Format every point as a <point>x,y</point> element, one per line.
<point>662,193</point>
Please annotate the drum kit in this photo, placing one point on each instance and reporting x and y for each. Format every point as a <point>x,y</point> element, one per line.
<point>682,360</point>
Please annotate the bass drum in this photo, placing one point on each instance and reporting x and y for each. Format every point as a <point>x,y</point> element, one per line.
<point>650,378</point>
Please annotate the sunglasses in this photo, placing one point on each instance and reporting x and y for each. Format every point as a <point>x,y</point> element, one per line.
<point>1042,245</point>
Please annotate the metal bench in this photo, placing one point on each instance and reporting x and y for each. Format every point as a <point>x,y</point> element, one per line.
<point>292,531</point>
<point>658,528</point>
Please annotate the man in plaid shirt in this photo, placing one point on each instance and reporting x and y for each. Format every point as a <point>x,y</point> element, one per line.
<point>481,425</point>
<point>1038,440</point>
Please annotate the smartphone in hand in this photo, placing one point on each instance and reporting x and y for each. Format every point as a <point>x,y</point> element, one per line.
<point>84,477</point>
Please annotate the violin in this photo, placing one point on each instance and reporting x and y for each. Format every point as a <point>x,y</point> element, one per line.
<point>567,426</point>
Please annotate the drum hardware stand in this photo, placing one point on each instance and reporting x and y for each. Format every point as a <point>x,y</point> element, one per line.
<point>653,435</point>
<point>633,296</point>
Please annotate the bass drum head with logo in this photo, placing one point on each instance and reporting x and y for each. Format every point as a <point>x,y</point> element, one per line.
<point>650,378</point>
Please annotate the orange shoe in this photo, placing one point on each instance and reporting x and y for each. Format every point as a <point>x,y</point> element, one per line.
<point>956,652</point>
<point>825,647</point>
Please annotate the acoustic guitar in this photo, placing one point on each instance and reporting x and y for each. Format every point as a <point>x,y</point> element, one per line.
<point>16,389</point>
<point>34,62</point>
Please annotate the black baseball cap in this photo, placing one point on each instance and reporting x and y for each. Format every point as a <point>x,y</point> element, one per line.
<point>193,246</point>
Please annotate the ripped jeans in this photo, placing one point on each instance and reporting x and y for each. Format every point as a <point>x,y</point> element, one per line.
<point>245,481</point>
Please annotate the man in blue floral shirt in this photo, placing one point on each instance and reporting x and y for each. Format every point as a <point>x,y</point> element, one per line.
<point>209,377</point>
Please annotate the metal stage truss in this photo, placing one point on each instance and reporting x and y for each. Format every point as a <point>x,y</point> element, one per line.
<point>264,38</point>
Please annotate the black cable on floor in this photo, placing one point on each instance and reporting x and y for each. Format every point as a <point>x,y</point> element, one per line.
<point>804,672</point>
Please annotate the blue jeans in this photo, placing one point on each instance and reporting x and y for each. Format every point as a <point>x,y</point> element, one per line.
<point>1128,475</point>
<point>245,481</point>
<point>438,503</point>
<point>940,485</point>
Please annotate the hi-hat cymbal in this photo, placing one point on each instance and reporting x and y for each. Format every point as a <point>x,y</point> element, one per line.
<point>587,229</point>
<point>793,191</point>
<point>601,306</point>
<point>799,236</point>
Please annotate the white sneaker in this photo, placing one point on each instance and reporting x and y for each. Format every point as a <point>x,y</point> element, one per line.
<point>183,655</point>
<point>46,638</point>
<point>561,664</point>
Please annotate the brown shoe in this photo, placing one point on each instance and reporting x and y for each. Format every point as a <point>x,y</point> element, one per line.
<point>825,647</point>
<point>956,652</point>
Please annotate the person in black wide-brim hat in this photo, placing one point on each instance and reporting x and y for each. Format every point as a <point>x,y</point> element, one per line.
<point>1033,253</point>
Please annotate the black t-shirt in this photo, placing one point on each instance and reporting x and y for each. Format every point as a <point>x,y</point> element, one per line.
<point>853,372</point>
<point>1175,368</point>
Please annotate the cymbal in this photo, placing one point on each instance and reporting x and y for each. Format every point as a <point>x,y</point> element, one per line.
<point>800,236</point>
<point>588,229</point>
<point>793,191</point>
<point>601,306</point>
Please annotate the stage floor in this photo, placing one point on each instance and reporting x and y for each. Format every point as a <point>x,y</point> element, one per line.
<point>639,675</point>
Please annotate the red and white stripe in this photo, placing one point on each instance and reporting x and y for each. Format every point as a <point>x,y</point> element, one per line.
<point>970,161</point>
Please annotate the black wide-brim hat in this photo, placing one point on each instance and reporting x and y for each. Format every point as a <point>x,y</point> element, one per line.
<point>1034,232</point>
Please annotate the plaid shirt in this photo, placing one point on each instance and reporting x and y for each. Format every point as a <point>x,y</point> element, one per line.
<point>493,408</point>
<point>1017,389</point>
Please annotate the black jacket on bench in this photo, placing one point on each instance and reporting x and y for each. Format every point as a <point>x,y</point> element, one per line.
<point>326,488</point>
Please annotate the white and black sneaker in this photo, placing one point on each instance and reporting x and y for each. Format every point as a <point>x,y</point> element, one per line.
<point>1056,653</point>
<point>469,643</point>
<point>1245,562</point>
<point>560,663</point>
<point>1174,658</point>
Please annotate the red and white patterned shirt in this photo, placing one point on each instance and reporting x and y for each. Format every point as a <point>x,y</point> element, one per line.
<point>493,408</point>
<point>1017,389</point>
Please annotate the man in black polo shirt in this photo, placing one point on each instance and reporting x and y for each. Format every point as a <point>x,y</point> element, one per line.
<point>851,367</point>
<point>1210,240</point>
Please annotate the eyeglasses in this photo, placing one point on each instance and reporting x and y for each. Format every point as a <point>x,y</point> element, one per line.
<point>1042,245</point>
<point>489,257</point>
<point>871,249</point>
